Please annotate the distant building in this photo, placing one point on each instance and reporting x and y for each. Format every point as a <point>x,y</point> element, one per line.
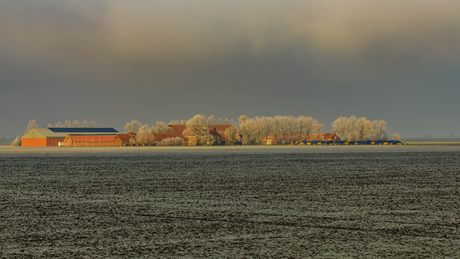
<point>42,137</point>
<point>124,139</point>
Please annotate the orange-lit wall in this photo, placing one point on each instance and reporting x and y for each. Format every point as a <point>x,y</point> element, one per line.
<point>68,142</point>
<point>41,142</point>
<point>54,141</point>
<point>92,144</point>
<point>33,142</point>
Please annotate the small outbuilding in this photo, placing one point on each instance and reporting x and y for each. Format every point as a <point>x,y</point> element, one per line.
<point>124,139</point>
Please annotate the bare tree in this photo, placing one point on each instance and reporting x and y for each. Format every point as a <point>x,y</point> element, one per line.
<point>183,122</point>
<point>159,127</point>
<point>210,120</point>
<point>226,121</point>
<point>233,122</point>
<point>67,124</point>
<point>144,136</point>
<point>144,139</point>
<point>58,125</point>
<point>257,129</point>
<point>144,129</point>
<point>32,124</point>
<point>133,126</point>
<point>207,139</point>
<point>382,131</point>
<point>308,125</point>
<point>352,128</point>
<point>101,125</point>
<point>174,122</point>
<point>196,129</point>
<point>248,128</point>
<point>340,127</point>
<point>243,118</point>
<point>221,122</point>
<point>132,141</point>
<point>269,126</point>
<point>363,128</point>
<point>373,132</point>
<point>232,133</point>
<point>49,125</point>
<point>318,127</point>
<point>178,141</point>
<point>396,136</point>
<point>167,142</point>
<point>167,130</point>
<point>76,124</point>
<point>84,124</point>
<point>282,127</point>
<point>93,124</point>
<point>16,142</point>
<point>263,127</point>
<point>242,123</point>
<point>292,127</point>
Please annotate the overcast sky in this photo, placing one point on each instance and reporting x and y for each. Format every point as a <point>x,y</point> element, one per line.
<point>113,61</point>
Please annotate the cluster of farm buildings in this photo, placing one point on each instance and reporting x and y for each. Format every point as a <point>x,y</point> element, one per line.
<point>104,137</point>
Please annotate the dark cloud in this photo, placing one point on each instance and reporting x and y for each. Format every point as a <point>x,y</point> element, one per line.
<point>162,60</point>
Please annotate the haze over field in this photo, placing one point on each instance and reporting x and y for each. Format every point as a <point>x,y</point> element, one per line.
<point>114,61</point>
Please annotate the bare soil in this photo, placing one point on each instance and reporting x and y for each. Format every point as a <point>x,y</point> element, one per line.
<point>326,202</point>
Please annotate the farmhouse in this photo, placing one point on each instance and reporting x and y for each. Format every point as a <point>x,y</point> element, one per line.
<point>42,137</point>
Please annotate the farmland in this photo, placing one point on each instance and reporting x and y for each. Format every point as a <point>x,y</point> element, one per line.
<point>232,202</point>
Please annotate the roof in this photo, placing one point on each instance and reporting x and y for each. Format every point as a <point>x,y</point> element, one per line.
<point>83,130</point>
<point>164,136</point>
<point>62,132</point>
<point>178,129</point>
<point>125,136</point>
<point>324,136</point>
<point>219,128</point>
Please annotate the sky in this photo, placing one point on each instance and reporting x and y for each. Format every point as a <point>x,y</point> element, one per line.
<point>113,61</point>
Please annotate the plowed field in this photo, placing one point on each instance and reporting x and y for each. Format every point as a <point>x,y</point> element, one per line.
<point>289,202</point>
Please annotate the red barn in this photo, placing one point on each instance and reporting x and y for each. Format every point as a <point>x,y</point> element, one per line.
<point>42,137</point>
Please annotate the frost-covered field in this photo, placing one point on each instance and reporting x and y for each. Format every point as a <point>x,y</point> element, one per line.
<point>329,202</point>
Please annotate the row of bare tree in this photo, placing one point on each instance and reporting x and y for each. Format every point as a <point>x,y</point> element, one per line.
<point>76,124</point>
<point>354,128</point>
<point>282,128</point>
<point>162,128</point>
<point>255,129</point>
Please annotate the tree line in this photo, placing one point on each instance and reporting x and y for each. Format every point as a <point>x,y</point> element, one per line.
<point>76,124</point>
<point>282,128</point>
<point>248,130</point>
<point>354,128</point>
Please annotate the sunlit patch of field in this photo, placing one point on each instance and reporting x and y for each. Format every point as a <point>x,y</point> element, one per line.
<point>328,202</point>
